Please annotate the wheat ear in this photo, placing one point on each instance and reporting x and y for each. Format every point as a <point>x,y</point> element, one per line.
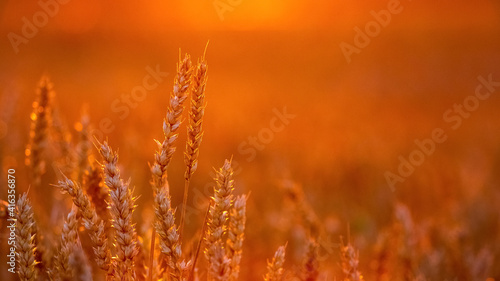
<point>167,231</point>
<point>122,207</point>
<point>217,223</point>
<point>69,242</point>
<point>92,222</point>
<point>166,149</point>
<point>25,235</point>
<point>275,267</point>
<point>97,191</point>
<point>194,129</point>
<point>171,123</point>
<point>41,119</point>
<point>236,234</point>
<point>350,260</point>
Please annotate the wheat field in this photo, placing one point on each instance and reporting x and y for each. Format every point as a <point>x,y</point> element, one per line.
<point>238,140</point>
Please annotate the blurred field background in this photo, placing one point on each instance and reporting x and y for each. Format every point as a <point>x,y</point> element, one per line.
<point>353,120</point>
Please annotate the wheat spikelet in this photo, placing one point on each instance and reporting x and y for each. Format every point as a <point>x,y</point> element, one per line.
<point>25,246</point>
<point>219,264</point>
<point>236,234</point>
<point>41,120</point>
<point>217,218</point>
<point>350,260</point>
<point>122,207</point>
<point>167,231</point>
<point>194,129</point>
<point>69,242</point>
<point>275,267</point>
<point>171,123</point>
<point>92,223</point>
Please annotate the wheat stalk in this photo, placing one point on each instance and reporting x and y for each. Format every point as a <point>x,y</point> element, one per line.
<point>92,222</point>
<point>236,234</point>
<point>122,207</point>
<point>41,119</point>
<point>194,129</point>
<point>275,267</point>
<point>25,236</point>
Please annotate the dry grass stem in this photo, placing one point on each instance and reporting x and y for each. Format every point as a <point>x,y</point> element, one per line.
<point>191,276</point>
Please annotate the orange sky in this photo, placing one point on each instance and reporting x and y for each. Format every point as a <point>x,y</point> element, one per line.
<point>81,16</point>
